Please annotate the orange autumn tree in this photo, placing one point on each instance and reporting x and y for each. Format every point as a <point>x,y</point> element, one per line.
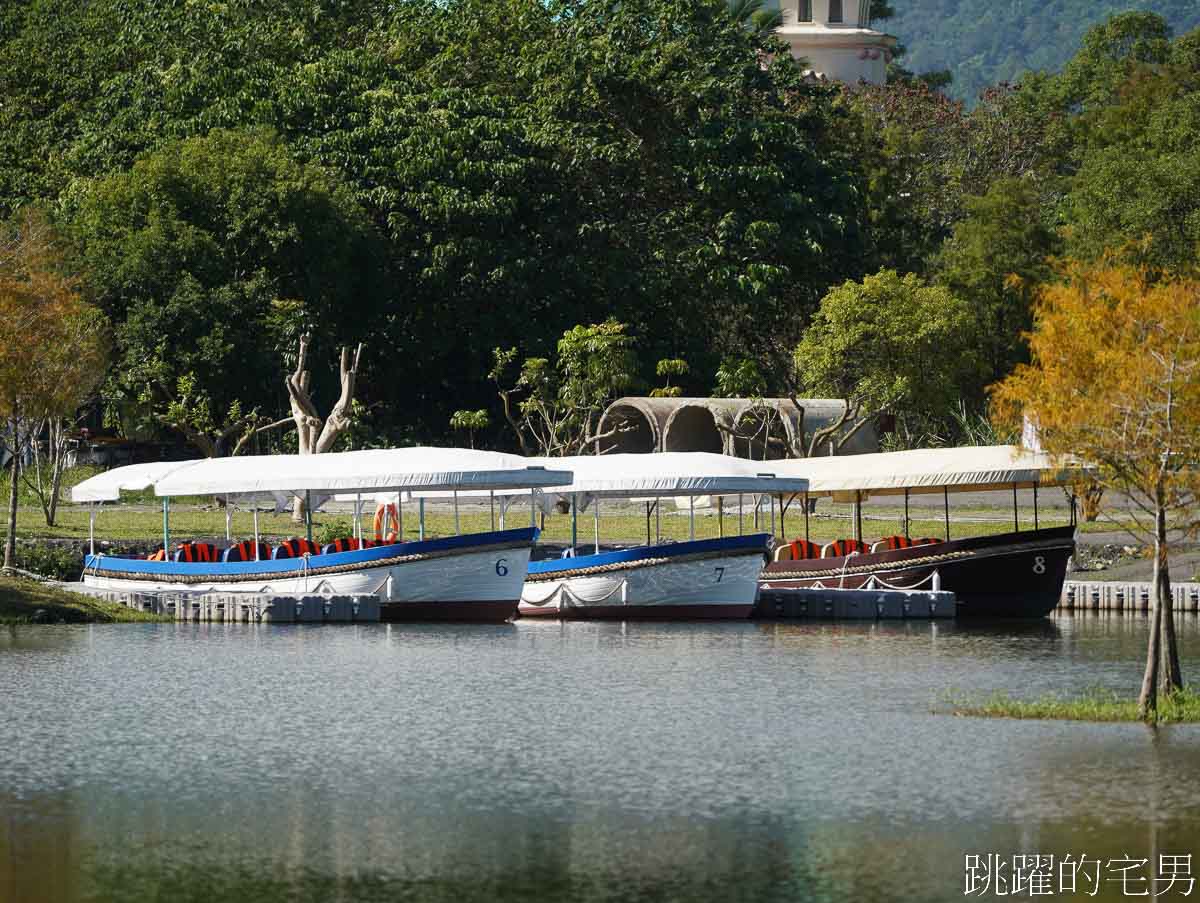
<point>1115,380</point>
<point>52,348</point>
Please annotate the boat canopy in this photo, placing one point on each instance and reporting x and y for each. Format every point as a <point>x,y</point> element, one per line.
<point>369,470</point>
<point>969,469</point>
<point>666,474</point>
<point>108,486</point>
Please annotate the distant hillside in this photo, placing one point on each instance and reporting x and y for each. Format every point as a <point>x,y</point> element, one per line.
<point>983,42</point>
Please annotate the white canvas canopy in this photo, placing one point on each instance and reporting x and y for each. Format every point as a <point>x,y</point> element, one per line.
<point>970,469</point>
<point>395,469</point>
<point>108,486</point>
<point>666,474</point>
<point>285,475</point>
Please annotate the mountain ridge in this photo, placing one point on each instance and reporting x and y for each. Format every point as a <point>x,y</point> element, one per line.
<point>985,42</point>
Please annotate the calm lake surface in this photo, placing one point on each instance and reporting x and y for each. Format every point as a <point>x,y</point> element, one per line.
<point>590,762</point>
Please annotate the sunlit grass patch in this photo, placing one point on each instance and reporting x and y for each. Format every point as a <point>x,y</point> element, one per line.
<point>26,601</point>
<point>1091,705</point>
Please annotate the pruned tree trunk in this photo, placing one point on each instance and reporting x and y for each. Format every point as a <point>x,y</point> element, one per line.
<point>1170,677</point>
<point>316,434</point>
<point>10,539</point>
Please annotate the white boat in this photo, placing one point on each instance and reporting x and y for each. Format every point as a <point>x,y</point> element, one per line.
<point>463,577</point>
<point>707,578</point>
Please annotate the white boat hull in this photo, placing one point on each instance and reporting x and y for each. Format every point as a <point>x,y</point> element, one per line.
<point>453,579</point>
<point>722,585</point>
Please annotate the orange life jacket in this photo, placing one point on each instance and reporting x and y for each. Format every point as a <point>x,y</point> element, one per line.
<point>244,551</point>
<point>195,551</point>
<point>296,548</point>
<point>348,544</point>
<point>897,542</point>
<point>843,547</point>
<point>802,549</point>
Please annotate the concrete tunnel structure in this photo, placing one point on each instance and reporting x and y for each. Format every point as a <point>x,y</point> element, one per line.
<point>732,426</point>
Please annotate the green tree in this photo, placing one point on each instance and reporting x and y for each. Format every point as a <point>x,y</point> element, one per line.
<point>212,256</point>
<point>554,409</point>
<point>995,260</point>
<point>471,421</point>
<point>887,345</point>
<point>667,368</point>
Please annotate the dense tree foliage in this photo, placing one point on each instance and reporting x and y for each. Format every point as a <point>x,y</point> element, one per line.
<point>438,179</point>
<point>985,43</point>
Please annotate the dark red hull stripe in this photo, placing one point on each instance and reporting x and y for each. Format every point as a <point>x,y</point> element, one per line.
<point>642,612</point>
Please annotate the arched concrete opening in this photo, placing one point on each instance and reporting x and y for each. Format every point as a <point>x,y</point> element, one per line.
<point>636,429</point>
<point>644,424</point>
<point>693,428</point>
<point>762,432</point>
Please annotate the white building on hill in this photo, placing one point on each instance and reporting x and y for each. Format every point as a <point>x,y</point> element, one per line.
<point>836,38</point>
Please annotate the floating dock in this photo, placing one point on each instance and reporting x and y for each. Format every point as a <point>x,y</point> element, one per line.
<point>854,604</point>
<point>246,608</point>
<point>1083,595</point>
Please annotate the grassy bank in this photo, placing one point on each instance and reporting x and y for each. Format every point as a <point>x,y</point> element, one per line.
<point>1183,707</point>
<point>22,600</point>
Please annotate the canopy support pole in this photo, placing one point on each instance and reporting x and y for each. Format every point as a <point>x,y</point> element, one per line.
<point>1016,518</point>
<point>308,514</point>
<point>256,529</point>
<point>771,502</point>
<point>782,518</point>
<point>946,502</point>
<point>1035,507</point>
<point>657,520</point>
<point>858,516</point>
<point>720,517</point>
<point>907,521</point>
<point>454,493</point>
<point>399,517</point>
<point>357,517</point>
<point>504,508</point>
<point>91,528</point>
<point>421,519</point>
<point>806,536</point>
<point>691,517</point>
<point>228,518</point>
<point>596,521</point>
<point>575,522</point>
<point>492,507</point>
<point>1073,510</point>
<point>166,528</point>
<point>647,524</point>
<point>533,508</point>
<point>740,515</point>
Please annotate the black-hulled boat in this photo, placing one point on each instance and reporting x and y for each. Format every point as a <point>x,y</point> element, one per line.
<point>1010,575</point>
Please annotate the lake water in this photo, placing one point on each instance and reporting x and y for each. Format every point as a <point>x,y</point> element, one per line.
<point>582,762</point>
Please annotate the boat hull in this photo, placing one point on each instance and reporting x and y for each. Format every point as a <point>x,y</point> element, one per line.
<point>705,579</point>
<point>476,577</point>
<point>1012,575</point>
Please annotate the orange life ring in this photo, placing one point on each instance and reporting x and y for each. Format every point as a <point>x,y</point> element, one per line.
<point>383,514</point>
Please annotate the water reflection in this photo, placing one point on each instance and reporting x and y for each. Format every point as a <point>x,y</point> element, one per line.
<point>773,761</point>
